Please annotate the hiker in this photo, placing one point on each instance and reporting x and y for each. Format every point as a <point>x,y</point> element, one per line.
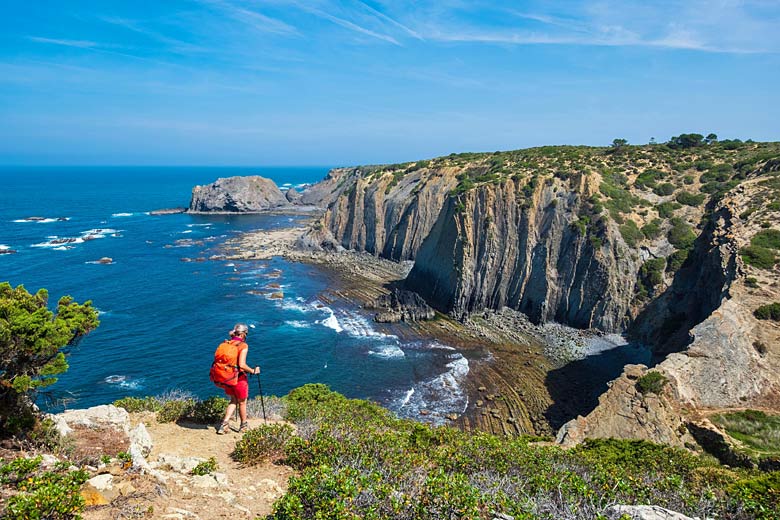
<point>229,372</point>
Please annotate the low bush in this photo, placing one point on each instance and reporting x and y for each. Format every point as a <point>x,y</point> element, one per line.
<point>758,256</point>
<point>770,311</point>
<point>172,411</point>
<point>40,494</point>
<point>266,442</point>
<point>768,238</point>
<point>138,404</point>
<point>667,209</point>
<point>359,461</point>
<point>209,411</point>
<point>206,467</point>
<point>664,189</point>
<point>631,233</point>
<point>651,383</point>
<point>681,235</point>
<point>652,229</point>
<point>689,199</point>
<point>652,274</point>
<point>676,260</point>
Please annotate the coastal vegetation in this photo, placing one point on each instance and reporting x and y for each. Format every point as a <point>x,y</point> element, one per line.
<point>355,460</point>
<point>770,311</point>
<point>758,433</point>
<point>651,383</point>
<point>33,341</point>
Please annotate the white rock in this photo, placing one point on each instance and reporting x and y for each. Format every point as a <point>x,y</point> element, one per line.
<point>204,482</point>
<point>48,460</point>
<point>180,464</point>
<point>646,513</point>
<point>102,482</point>
<point>139,436</point>
<point>103,415</point>
<point>183,512</point>
<point>61,425</point>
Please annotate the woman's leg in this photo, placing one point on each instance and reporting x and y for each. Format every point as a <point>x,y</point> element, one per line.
<point>242,410</point>
<point>230,409</point>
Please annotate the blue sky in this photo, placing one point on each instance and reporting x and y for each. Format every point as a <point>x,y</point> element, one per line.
<point>338,82</point>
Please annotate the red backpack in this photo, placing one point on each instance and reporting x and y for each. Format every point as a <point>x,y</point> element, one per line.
<point>224,370</point>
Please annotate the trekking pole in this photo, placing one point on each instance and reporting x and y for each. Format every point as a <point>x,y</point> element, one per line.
<point>262,401</point>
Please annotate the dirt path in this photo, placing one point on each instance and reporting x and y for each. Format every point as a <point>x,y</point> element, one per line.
<point>236,492</point>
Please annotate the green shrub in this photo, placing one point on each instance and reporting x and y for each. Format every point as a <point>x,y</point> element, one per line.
<point>759,495</point>
<point>357,461</point>
<point>757,256</point>
<point>652,382</point>
<point>651,273</point>
<point>768,238</point>
<point>308,398</point>
<point>752,282</point>
<point>664,189</point>
<point>172,411</point>
<point>676,260</point>
<point>667,209</point>
<point>689,199</point>
<point>138,404</point>
<point>757,431</point>
<point>648,178</point>
<point>631,233</point>
<point>681,235</point>
<point>266,442</point>
<point>205,467</point>
<point>770,311</point>
<point>652,229</point>
<point>210,411</point>
<point>42,494</point>
<point>18,469</point>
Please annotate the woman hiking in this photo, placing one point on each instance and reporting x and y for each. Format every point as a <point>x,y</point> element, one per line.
<point>237,387</point>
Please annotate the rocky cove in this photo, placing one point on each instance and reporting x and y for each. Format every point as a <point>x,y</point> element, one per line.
<point>503,244</point>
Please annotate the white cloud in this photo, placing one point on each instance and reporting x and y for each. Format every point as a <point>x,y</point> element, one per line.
<point>81,44</point>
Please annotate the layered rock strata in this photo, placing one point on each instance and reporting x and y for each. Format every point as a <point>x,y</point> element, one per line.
<point>497,247</point>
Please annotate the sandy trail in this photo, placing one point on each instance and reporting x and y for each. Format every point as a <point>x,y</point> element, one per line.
<point>249,491</point>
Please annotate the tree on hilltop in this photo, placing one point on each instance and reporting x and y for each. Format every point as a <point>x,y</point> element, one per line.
<point>711,138</point>
<point>686,141</point>
<point>32,339</point>
<point>618,145</point>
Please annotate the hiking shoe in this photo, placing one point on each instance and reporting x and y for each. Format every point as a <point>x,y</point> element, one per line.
<point>244,427</point>
<point>223,428</point>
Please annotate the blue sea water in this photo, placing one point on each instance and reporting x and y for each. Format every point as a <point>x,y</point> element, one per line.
<point>162,317</point>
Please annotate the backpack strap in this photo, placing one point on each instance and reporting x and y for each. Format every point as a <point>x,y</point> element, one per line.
<point>238,344</point>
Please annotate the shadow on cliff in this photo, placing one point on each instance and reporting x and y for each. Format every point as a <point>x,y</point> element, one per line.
<point>575,388</point>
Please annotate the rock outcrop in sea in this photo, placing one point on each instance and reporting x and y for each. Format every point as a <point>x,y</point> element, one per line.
<point>237,195</point>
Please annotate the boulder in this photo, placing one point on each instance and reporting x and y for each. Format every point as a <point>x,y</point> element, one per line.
<point>97,416</point>
<point>251,194</point>
<point>645,513</point>
<point>293,196</point>
<point>401,305</point>
<point>140,437</point>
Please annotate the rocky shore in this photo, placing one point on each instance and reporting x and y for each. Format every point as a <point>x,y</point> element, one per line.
<point>510,358</point>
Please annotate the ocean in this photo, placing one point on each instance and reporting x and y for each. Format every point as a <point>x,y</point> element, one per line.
<point>163,314</point>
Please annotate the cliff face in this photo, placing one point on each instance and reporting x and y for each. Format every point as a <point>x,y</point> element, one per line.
<point>384,216</point>
<point>237,195</point>
<point>501,246</point>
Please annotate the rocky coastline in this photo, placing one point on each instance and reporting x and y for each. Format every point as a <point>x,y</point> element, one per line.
<point>512,250</point>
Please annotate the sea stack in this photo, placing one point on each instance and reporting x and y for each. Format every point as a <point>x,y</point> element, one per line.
<point>251,194</point>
